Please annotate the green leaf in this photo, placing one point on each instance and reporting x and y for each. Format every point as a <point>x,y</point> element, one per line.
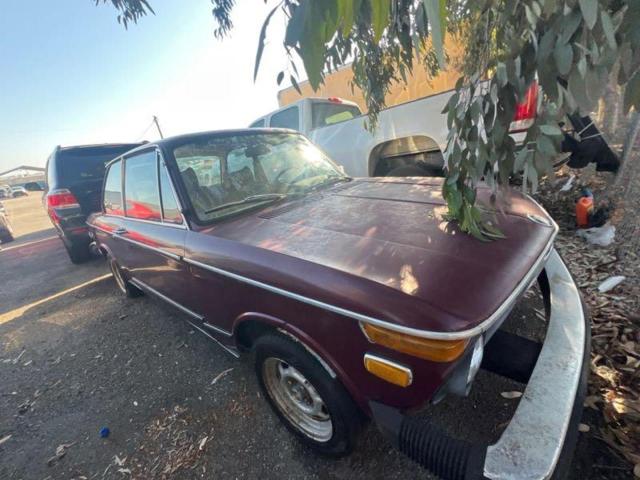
<point>436,14</point>
<point>348,11</point>
<point>609,31</point>
<point>521,159</point>
<point>550,129</point>
<point>294,82</point>
<point>578,90</point>
<point>263,33</point>
<point>545,146</point>
<point>632,93</point>
<point>380,10</point>
<point>295,26</point>
<point>563,54</point>
<point>501,74</point>
<point>569,26</point>
<point>589,12</point>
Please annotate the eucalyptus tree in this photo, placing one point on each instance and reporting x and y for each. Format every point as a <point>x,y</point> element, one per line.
<point>569,47</point>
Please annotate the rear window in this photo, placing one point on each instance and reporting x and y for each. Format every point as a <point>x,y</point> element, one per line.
<point>87,164</point>
<point>329,113</point>
<point>285,119</point>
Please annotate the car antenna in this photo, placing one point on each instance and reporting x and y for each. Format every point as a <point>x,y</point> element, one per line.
<point>155,120</point>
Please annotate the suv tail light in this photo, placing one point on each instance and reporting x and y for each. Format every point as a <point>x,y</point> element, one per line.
<point>526,110</point>
<point>61,198</point>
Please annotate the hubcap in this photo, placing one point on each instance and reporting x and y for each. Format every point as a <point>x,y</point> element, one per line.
<point>117,275</point>
<point>297,399</point>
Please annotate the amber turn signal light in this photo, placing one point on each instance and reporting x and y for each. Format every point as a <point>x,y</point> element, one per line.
<point>387,370</point>
<point>434,350</point>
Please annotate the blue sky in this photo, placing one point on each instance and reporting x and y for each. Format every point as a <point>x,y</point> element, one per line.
<point>72,75</point>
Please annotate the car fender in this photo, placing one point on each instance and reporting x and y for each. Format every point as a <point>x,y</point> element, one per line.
<point>325,359</point>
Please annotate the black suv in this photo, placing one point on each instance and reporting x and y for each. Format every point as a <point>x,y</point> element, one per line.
<point>74,189</point>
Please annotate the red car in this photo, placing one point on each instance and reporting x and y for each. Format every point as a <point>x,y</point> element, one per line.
<point>357,296</point>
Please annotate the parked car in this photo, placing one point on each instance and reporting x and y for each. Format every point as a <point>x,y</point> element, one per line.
<point>74,187</point>
<point>34,186</point>
<point>357,297</point>
<point>410,137</point>
<point>6,232</point>
<point>17,191</point>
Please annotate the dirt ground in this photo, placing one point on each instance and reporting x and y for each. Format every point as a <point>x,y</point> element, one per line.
<point>75,357</point>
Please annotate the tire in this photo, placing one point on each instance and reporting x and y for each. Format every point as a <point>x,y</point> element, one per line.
<point>6,237</point>
<point>124,286</point>
<point>78,253</point>
<point>331,429</point>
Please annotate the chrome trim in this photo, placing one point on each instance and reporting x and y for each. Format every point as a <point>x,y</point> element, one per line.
<point>531,445</point>
<point>462,334</point>
<point>219,330</point>
<point>388,362</point>
<point>143,286</point>
<point>99,228</point>
<point>173,256</point>
<point>163,163</point>
<point>152,222</point>
<point>230,350</point>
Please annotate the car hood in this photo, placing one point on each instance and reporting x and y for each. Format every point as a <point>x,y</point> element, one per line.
<point>401,259</point>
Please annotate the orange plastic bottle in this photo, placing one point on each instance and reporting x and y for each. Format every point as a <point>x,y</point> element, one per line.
<point>584,207</point>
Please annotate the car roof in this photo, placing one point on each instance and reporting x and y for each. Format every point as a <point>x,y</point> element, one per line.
<point>178,140</point>
<point>99,145</point>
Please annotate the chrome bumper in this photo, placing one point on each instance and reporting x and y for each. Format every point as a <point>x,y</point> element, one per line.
<point>543,429</point>
<point>531,445</point>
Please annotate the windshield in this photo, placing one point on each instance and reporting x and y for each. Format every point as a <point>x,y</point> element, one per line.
<point>225,174</point>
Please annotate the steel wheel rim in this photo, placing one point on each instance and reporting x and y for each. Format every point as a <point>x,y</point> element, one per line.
<point>118,276</point>
<point>297,399</point>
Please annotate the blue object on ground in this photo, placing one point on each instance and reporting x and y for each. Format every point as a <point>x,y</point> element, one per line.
<point>104,432</point>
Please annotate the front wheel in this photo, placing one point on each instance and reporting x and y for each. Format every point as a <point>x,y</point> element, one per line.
<point>312,405</point>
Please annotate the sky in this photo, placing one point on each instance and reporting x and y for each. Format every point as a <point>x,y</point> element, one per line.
<point>71,75</point>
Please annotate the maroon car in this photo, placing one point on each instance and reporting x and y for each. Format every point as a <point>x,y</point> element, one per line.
<point>357,297</point>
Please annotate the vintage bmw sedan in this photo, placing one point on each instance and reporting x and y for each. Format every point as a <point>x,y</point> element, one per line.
<point>356,296</point>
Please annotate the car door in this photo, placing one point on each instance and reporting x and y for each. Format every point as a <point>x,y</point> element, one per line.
<point>153,228</point>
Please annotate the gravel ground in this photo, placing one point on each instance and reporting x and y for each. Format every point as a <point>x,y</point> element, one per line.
<point>75,357</point>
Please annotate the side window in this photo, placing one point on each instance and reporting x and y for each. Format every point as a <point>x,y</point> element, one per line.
<point>257,124</point>
<point>142,198</point>
<point>112,200</point>
<point>170,211</point>
<point>285,119</point>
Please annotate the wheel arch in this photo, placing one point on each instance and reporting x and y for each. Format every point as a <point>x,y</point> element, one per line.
<point>248,327</point>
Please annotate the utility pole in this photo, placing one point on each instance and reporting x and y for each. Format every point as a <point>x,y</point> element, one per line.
<point>155,120</point>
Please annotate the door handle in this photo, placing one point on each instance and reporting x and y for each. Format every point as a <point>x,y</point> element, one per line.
<point>120,231</point>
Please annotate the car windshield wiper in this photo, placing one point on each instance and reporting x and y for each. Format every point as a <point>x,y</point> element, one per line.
<point>329,181</point>
<point>263,197</point>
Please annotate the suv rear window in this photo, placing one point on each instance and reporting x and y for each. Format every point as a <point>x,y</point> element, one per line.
<point>77,165</point>
<point>324,114</point>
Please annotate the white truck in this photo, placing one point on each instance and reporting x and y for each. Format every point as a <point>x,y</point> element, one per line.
<point>410,137</point>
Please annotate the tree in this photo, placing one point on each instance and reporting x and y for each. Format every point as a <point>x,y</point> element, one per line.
<point>568,46</point>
